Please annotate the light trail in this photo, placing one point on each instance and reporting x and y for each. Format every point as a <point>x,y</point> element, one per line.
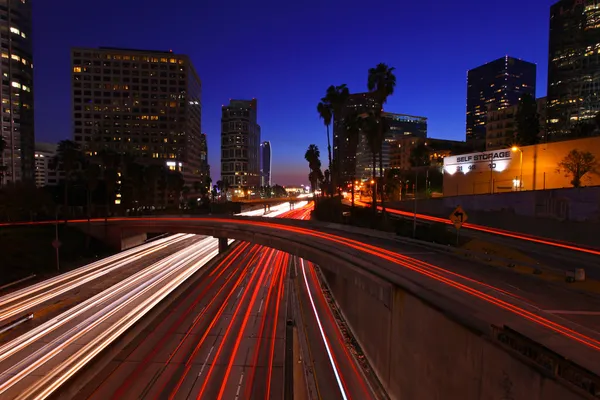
<point>325,341</point>
<point>42,292</point>
<point>141,292</point>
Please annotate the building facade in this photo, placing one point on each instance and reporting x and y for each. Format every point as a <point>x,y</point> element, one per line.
<point>401,126</point>
<point>265,171</point>
<point>144,103</point>
<point>500,83</point>
<point>512,169</point>
<point>240,145</point>
<point>501,125</point>
<point>16,91</point>
<point>204,166</point>
<point>343,152</point>
<point>45,172</point>
<point>573,66</point>
<point>401,150</point>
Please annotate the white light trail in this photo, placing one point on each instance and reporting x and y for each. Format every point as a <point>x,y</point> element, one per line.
<point>333,366</point>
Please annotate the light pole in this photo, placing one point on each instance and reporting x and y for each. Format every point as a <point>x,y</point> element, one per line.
<point>492,175</point>
<point>515,148</point>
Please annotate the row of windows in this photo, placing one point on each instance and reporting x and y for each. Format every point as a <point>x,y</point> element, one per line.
<point>127,57</point>
<point>106,71</point>
<point>126,117</point>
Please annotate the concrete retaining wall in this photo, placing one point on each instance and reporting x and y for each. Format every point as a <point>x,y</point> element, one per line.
<point>562,214</point>
<point>420,353</point>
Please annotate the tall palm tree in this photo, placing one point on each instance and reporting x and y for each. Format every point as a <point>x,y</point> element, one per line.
<point>369,126</point>
<point>313,155</point>
<point>382,83</point>
<point>68,159</point>
<point>326,113</point>
<point>352,126</point>
<point>336,97</point>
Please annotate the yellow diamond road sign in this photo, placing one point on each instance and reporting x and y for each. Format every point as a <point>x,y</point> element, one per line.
<point>458,217</point>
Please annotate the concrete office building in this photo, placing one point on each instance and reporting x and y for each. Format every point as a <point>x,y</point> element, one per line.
<point>573,72</point>
<point>401,126</point>
<point>240,145</point>
<point>265,172</point>
<point>501,125</point>
<point>45,173</point>
<point>500,83</point>
<point>145,103</point>
<point>16,91</point>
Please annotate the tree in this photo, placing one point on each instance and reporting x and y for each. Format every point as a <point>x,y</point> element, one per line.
<point>382,83</point>
<point>527,121</point>
<point>352,125</point>
<point>111,162</point>
<point>576,165</point>
<point>313,155</point>
<point>68,159</point>
<point>336,97</point>
<point>325,112</point>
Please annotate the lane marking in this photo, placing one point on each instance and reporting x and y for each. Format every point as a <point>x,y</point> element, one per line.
<point>205,361</point>
<point>241,290</point>
<point>261,304</point>
<point>237,393</point>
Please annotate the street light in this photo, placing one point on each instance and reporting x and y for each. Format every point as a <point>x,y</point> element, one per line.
<point>515,149</point>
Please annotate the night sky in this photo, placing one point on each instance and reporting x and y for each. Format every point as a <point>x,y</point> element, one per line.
<point>286,53</point>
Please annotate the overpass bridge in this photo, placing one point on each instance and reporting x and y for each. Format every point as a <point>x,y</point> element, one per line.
<point>431,327</point>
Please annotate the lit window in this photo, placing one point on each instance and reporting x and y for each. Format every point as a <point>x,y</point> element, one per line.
<point>163,60</point>
<point>16,84</point>
<point>26,88</point>
<point>23,35</point>
<point>172,61</point>
<point>15,30</point>
<point>15,57</point>
<point>4,55</point>
<point>76,69</point>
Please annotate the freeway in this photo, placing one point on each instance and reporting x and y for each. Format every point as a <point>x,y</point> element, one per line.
<point>229,336</point>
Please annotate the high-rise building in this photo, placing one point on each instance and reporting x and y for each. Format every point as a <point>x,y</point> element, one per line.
<point>204,166</point>
<point>343,154</point>
<point>240,144</point>
<point>498,84</point>
<point>501,126</point>
<point>573,72</point>
<point>17,91</point>
<point>142,102</point>
<point>401,126</point>
<point>45,172</point>
<point>265,171</point>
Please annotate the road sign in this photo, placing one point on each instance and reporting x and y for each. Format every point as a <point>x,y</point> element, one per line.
<point>458,217</point>
<point>56,244</point>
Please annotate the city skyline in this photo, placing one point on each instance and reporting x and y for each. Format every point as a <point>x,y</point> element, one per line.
<point>303,70</point>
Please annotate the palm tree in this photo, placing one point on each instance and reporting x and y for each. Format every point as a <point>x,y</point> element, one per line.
<point>313,155</point>
<point>68,159</point>
<point>336,97</point>
<point>370,128</point>
<point>381,82</point>
<point>326,113</point>
<point>352,125</point>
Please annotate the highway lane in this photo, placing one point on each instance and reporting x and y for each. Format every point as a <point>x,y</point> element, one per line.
<point>38,362</point>
<point>225,337</point>
<point>28,299</point>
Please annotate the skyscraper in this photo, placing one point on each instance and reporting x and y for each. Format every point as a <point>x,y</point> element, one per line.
<point>573,72</point>
<point>495,85</point>
<point>343,154</point>
<point>204,166</point>
<point>401,126</point>
<point>142,102</point>
<point>240,144</point>
<point>17,91</point>
<point>265,171</point>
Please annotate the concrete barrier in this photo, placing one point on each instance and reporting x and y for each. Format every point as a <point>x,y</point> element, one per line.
<point>420,352</point>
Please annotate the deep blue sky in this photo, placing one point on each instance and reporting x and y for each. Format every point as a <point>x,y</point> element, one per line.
<point>286,54</point>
